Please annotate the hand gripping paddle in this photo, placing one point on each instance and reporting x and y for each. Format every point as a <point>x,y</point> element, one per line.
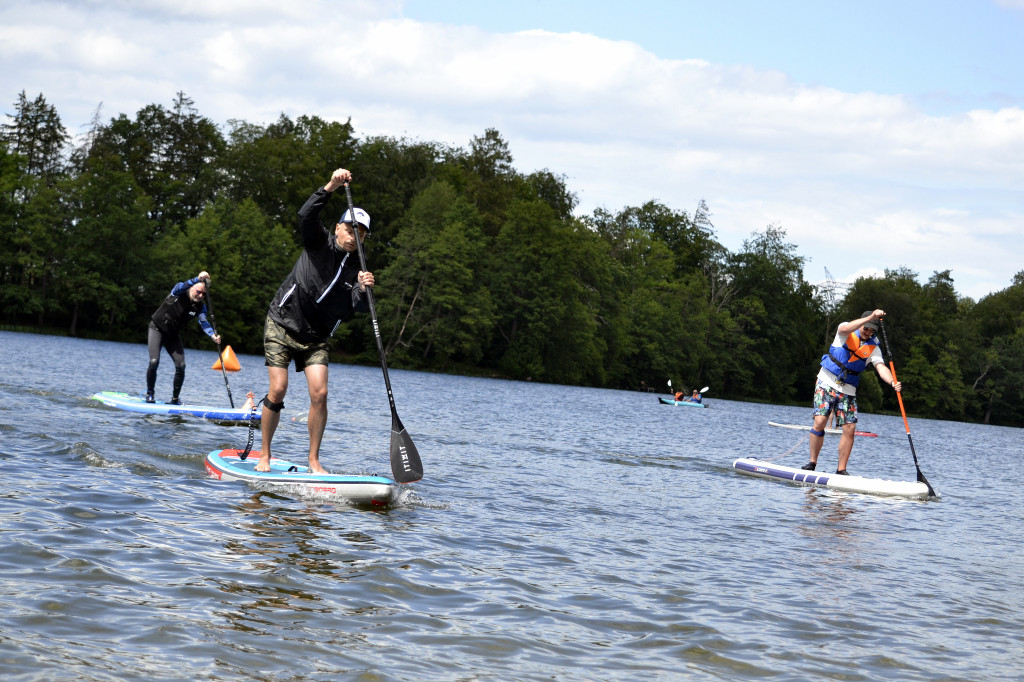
<point>405,460</point>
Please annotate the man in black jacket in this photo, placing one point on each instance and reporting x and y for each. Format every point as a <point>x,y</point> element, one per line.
<point>325,288</point>
<point>184,302</point>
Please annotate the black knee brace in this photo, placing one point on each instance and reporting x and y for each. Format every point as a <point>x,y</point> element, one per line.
<point>272,406</point>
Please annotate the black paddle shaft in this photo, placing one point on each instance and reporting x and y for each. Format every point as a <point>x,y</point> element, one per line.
<point>220,355</point>
<point>405,460</point>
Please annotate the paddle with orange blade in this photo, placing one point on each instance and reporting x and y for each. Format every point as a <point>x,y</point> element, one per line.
<point>899,397</point>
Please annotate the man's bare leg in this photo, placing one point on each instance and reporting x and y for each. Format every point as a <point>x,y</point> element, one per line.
<point>270,419</point>
<point>816,441</point>
<point>316,378</point>
<point>846,445</point>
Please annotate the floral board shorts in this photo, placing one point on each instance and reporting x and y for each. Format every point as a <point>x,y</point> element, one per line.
<point>828,399</point>
<point>280,348</point>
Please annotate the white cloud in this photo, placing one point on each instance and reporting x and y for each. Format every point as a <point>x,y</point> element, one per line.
<point>835,169</point>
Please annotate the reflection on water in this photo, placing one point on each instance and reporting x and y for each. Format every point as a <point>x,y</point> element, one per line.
<point>560,533</point>
<point>291,537</point>
<point>286,553</point>
<point>829,516</point>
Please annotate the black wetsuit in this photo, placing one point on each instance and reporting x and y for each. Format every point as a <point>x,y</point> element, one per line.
<point>164,327</point>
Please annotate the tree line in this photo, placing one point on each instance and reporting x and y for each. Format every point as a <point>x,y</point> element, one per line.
<point>481,269</point>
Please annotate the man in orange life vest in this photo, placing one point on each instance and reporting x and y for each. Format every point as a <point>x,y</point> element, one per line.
<point>853,349</point>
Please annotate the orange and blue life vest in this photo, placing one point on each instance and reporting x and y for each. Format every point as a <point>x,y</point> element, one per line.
<point>848,359</point>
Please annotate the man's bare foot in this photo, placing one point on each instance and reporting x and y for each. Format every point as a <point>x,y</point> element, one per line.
<point>263,464</point>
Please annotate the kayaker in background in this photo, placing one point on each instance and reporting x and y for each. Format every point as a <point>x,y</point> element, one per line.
<point>853,349</point>
<point>679,396</point>
<point>185,301</point>
<point>325,288</point>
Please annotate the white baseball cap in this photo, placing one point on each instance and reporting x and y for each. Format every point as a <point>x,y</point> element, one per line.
<point>362,217</point>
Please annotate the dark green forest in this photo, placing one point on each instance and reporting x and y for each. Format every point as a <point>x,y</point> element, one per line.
<point>480,269</point>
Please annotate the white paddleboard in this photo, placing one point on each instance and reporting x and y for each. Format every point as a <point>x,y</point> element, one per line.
<point>853,484</point>
<point>832,431</point>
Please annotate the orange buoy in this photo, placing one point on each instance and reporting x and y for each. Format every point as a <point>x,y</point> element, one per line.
<point>230,361</point>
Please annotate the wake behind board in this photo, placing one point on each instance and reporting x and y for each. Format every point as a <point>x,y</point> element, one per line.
<point>833,431</point>
<point>852,484</point>
<point>134,403</point>
<point>687,403</point>
<point>226,465</point>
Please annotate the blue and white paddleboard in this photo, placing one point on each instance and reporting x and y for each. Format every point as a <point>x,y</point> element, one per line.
<point>852,484</point>
<point>831,430</point>
<point>134,403</point>
<point>226,465</point>
<point>687,403</point>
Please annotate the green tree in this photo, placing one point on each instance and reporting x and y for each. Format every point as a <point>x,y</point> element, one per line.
<point>105,247</point>
<point>389,174</point>
<point>990,355</point>
<point>781,311</point>
<point>691,241</point>
<point>488,178</point>
<point>173,156</point>
<point>36,141</point>
<point>36,134</point>
<point>552,190</point>
<point>434,307</point>
<point>1005,387</point>
<point>12,285</point>
<point>933,388</point>
<point>279,165</point>
<point>247,257</point>
<point>544,312</point>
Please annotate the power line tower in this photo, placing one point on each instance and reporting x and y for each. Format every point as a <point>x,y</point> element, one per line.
<point>833,293</point>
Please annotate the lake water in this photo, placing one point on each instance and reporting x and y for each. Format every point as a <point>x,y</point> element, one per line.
<point>559,533</point>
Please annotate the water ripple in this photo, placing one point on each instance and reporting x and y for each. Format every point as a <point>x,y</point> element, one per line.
<point>560,533</point>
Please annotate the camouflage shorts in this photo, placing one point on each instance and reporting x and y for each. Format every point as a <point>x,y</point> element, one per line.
<point>828,399</point>
<point>280,348</point>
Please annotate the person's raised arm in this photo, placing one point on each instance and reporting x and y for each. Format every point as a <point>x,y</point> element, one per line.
<point>853,325</point>
<point>338,178</point>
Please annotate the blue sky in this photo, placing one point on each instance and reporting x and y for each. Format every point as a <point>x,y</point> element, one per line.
<point>878,135</point>
<point>946,54</point>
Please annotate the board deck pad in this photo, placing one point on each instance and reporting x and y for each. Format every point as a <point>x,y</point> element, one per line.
<point>228,465</point>
<point>831,431</point>
<point>136,403</point>
<point>854,484</point>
